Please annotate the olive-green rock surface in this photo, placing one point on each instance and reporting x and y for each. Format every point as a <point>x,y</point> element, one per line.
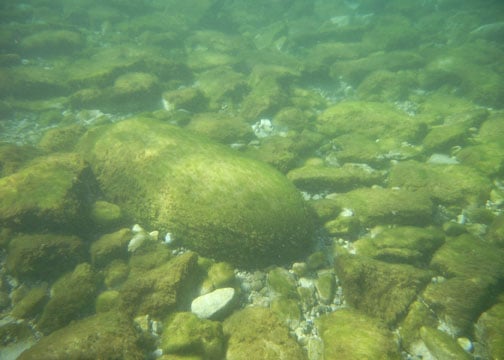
<point>377,206</point>
<point>404,244</point>
<point>185,333</point>
<point>50,192</point>
<point>317,179</point>
<point>380,289</point>
<point>110,247</point>
<point>350,335</point>
<point>156,292</point>
<point>43,256</point>
<point>373,120</point>
<point>31,303</point>
<point>446,184</point>
<point>490,330</point>
<point>108,335</point>
<point>468,256</point>
<point>211,200</point>
<point>442,346</point>
<point>255,333</point>
<point>72,297</point>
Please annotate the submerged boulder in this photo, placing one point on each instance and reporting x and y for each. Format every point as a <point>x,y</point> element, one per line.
<point>52,192</point>
<point>208,198</point>
<point>107,335</point>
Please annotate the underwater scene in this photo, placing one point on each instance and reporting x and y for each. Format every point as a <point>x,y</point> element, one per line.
<point>252,179</point>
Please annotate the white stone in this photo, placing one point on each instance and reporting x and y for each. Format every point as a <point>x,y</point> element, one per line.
<point>208,305</point>
<point>137,240</point>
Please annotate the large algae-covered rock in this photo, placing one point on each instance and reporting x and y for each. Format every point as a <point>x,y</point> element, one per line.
<point>474,269</point>
<point>257,334</point>
<point>51,192</point>
<point>376,121</point>
<point>107,335</point>
<point>374,206</point>
<point>442,346</point>
<point>447,184</point>
<point>316,179</point>
<point>348,334</point>
<point>72,296</point>
<point>43,256</point>
<point>211,200</point>
<point>185,334</point>
<point>404,244</point>
<point>490,330</point>
<point>380,289</point>
<point>157,292</point>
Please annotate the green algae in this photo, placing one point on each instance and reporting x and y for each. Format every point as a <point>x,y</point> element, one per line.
<point>211,200</point>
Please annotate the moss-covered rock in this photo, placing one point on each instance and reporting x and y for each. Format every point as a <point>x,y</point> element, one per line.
<point>405,244</point>
<point>110,247</point>
<point>223,86</point>
<point>52,42</point>
<point>103,67</point>
<point>263,337</point>
<point>281,152</point>
<point>371,119</point>
<point>370,132</point>
<point>457,302</point>
<point>13,157</point>
<point>479,82</point>
<point>492,130</point>
<point>287,310</point>
<point>419,314</point>
<point>35,82</point>
<point>474,269</point>
<point>318,179</point>
<point>268,91</point>
<point>374,206</point>
<point>133,86</point>
<point>16,336</point>
<point>108,335</point>
<point>106,215</point>
<point>325,284</point>
<point>444,137</point>
<point>108,301</point>
<point>496,231</point>
<point>391,32</point>
<point>72,297</point>
<point>487,158</point>
<point>185,99</point>
<point>380,289</point>
<point>222,128</point>
<point>358,148</point>
<point>447,184</point>
<point>186,334</point>
<point>219,275</point>
<point>31,303</point>
<point>348,334</point>
<point>43,256</point>
<point>212,201</point>
<point>490,330</point>
<point>355,70</point>
<point>468,256</point>
<point>441,345</point>
<point>51,192</point>
<point>156,292</point>
<point>383,85</point>
<point>115,273</point>
<point>61,139</point>
<point>282,282</point>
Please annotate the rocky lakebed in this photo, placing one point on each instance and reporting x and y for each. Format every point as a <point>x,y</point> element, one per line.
<point>240,180</point>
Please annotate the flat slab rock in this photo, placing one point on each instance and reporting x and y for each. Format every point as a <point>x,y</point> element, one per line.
<point>213,304</point>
